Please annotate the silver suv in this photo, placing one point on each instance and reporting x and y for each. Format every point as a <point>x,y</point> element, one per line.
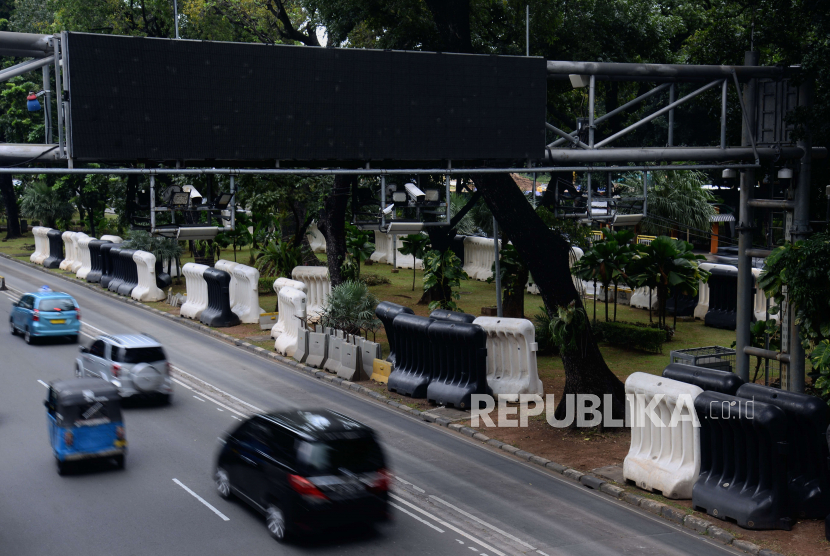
<point>133,363</point>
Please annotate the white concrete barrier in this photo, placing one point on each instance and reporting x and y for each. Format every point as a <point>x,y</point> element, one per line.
<point>146,290</point>
<point>335,353</point>
<point>479,257</point>
<point>760,299</point>
<point>77,261</point>
<point>664,455</point>
<point>68,251</point>
<point>511,357</point>
<point>318,344</point>
<point>350,367</point>
<point>369,351</point>
<point>41,244</point>
<point>86,259</point>
<point>702,306</point>
<point>247,294</point>
<point>279,284</point>
<point>316,279</point>
<point>114,239</point>
<point>197,294</point>
<point>228,267</point>
<point>294,303</point>
<point>640,298</point>
<point>316,239</point>
<point>383,248</point>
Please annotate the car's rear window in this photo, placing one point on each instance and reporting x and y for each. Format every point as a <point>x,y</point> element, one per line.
<point>140,355</point>
<point>56,304</point>
<point>358,456</point>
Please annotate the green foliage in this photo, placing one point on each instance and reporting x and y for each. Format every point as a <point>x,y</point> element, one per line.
<point>415,245</point>
<point>375,279</point>
<point>444,270</point>
<point>164,249</point>
<point>567,329</point>
<point>820,358</point>
<point>351,307</point>
<point>265,286</point>
<point>577,234</point>
<point>358,249</point>
<point>41,202</point>
<point>544,339</point>
<point>511,267</point>
<point>278,258</point>
<point>631,336</point>
<point>676,196</point>
<point>605,262</point>
<point>240,235</point>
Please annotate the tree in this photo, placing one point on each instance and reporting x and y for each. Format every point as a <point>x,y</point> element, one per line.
<point>415,245</point>
<point>41,202</point>
<point>358,249</point>
<point>443,270</point>
<point>514,275</point>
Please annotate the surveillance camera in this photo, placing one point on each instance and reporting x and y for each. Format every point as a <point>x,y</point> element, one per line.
<point>195,196</point>
<point>414,193</point>
<point>388,210</point>
<point>433,195</point>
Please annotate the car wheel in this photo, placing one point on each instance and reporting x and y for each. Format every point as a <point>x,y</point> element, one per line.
<point>78,372</point>
<point>13,329</point>
<point>119,461</point>
<point>63,467</point>
<point>27,336</point>
<point>73,339</point>
<point>275,520</point>
<point>223,483</point>
<point>165,399</point>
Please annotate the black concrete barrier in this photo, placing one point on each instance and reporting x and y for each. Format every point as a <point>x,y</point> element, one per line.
<point>807,420</point>
<point>454,316</point>
<point>723,299</point>
<point>743,462</point>
<point>55,257</point>
<point>163,280</point>
<point>458,247</point>
<point>707,379</point>
<point>386,312</point>
<point>130,270</point>
<point>117,274</point>
<point>683,304</point>
<point>412,371</point>
<point>218,312</point>
<point>95,272</point>
<point>459,363</point>
<point>106,263</point>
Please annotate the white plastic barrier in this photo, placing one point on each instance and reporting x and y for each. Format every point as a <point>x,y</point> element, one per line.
<point>86,259</point>
<point>404,261</point>
<point>479,257</point>
<point>77,261</point>
<point>511,357</point>
<point>350,367</point>
<point>702,306</point>
<point>247,294</point>
<point>197,295</point>
<point>228,266</point>
<point>760,300</point>
<point>575,254</point>
<point>532,288</point>
<point>279,284</point>
<point>383,248</point>
<point>114,239</point>
<point>316,239</point>
<point>664,458</point>
<point>640,298</point>
<point>174,268</point>
<point>68,251</point>
<point>146,290</point>
<point>316,279</point>
<point>41,244</point>
<point>294,303</point>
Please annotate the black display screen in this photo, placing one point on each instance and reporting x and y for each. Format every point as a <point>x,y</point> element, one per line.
<point>135,98</point>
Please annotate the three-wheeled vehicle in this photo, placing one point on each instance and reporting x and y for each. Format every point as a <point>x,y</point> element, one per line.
<point>84,416</point>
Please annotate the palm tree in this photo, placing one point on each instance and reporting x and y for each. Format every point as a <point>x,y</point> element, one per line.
<point>620,254</point>
<point>351,307</point>
<point>40,202</point>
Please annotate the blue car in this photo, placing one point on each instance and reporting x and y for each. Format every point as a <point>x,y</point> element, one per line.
<point>45,314</point>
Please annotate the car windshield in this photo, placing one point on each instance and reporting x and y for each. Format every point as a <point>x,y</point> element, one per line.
<point>358,456</point>
<point>56,304</point>
<point>140,355</point>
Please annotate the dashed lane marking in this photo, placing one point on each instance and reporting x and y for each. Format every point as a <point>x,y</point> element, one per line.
<point>202,500</point>
<point>482,522</point>
<point>43,383</point>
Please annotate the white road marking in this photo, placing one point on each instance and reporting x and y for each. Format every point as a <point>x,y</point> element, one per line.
<point>220,404</point>
<point>447,525</point>
<point>243,402</point>
<point>474,549</point>
<point>410,514</point>
<point>459,541</point>
<point>43,383</point>
<point>198,398</point>
<point>237,418</point>
<point>179,382</point>
<point>202,500</point>
<point>219,409</point>
<point>422,491</point>
<point>477,520</point>
<point>542,553</point>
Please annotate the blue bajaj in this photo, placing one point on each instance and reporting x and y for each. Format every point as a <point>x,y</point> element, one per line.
<point>84,417</point>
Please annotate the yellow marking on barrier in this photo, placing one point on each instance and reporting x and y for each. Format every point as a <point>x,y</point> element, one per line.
<point>645,240</point>
<point>381,370</point>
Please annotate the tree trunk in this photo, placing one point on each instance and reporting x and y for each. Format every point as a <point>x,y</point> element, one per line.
<point>585,369</point>
<point>332,225</point>
<point>10,201</point>
<point>513,304</point>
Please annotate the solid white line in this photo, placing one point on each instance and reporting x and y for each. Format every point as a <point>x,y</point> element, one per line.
<point>447,525</point>
<point>202,500</point>
<point>198,398</point>
<point>179,382</point>
<point>210,399</point>
<point>410,484</point>
<point>410,514</point>
<point>255,408</point>
<point>43,383</point>
<point>542,553</point>
<point>492,527</point>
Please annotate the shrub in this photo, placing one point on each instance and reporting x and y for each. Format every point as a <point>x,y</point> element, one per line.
<point>265,286</point>
<point>542,322</point>
<point>375,279</point>
<point>351,307</point>
<point>631,335</point>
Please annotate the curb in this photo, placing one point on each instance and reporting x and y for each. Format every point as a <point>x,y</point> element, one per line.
<point>669,513</point>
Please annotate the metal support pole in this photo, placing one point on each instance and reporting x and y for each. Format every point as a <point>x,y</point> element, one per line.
<point>499,312</point>
<point>447,187</point>
<point>382,203</point>
<point>534,191</point>
<point>58,95</point>
<point>645,195</point>
<point>233,202</point>
<point>47,106</point>
<point>176,16</point>
<point>671,115</point>
<point>590,199</point>
<point>395,252</point>
<point>556,197</point>
<point>527,29</point>
<point>800,230</point>
<point>724,89</point>
<point>745,278</point>
<point>591,96</point>
<point>152,204</point>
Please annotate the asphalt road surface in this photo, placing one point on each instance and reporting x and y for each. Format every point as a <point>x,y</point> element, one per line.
<point>452,495</point>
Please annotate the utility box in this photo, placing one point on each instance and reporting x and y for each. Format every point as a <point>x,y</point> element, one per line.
<point>711,357</point>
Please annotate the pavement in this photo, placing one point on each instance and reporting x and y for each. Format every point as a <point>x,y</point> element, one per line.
<point>452,494</point>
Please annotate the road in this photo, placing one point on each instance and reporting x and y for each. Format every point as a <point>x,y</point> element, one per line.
<point>452,495</point>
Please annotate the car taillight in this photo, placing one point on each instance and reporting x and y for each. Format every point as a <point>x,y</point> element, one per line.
<point>78,313</point>
<point>35,316</point>
<point>115,368</point>
<point>68,438</point>
<point>382,481</point>
<point>167,368</point>
<point>119,433</point>
<point>304,487</point>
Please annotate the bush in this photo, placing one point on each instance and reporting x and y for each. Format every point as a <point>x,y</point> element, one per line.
<point>542,322</point>
<point>351,307</point>
<point>266,286</point>
<point>631,335</point>
<point>375,279</point>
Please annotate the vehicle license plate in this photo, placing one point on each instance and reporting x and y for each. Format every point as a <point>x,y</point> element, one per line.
<point>58,321</point>
<point>120,443</point>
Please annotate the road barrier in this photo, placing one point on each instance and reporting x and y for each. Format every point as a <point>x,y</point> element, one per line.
<point>479,257</point>
<point>664,457</point>
<point>316,239</point>
<point>95,262</point>
<point>107,264</point>
<point>218,312</point>
<point>453,316</point>
<point>55,257</point>
<point>247,294</point>
<point>146,290</point>
<point>279,283</point>
<point>112,238</point>
<point>317,349</point>
<point>760,299</point>
<point>413,366</point>
<point>386,311</point>
<point>743,454</point>
<point>702,306</point>
<point>459,361</point>
<point>807,420</point>
<point>723,299</point>
<point>41,244</point>
<point>381,371</point>
<point>295,307</point>
<point>383,248</point>
<point>511,357</point>
<point>369,351</point>
<point>316,279</point>
<point>301,354</point>
<point>641,296</point>
<point>335,353</point>
<point>350,367</point>
<point>710,380</point>
<point>86,261</point>
<point>129,280</point>
<point>228,267</point>
<point>196,287</point>
<point>68,251</point>
<point>77,261</point>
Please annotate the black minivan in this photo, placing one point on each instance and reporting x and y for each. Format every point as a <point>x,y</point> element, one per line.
<point>305,470</point>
